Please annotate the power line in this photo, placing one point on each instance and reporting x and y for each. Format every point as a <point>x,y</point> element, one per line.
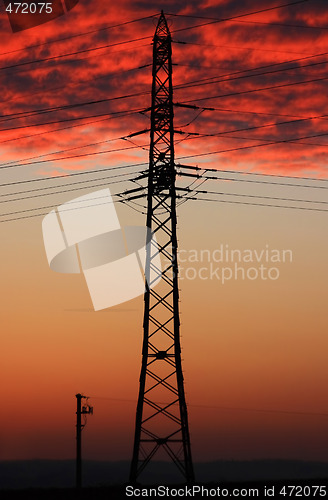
<point>75,83</point>
<point>186,198</point>
<point>295,142</point>
<point>195,191</point>
<point>18,163</point>
<point>249,91</point>
<point>266,142</point>
<point>120,167</point>
<point>64,176</point>
<point>178,197</point>
<point>19,71</point>
<point>250,22</point>
<point>179,166</point>
<point>110,116</point>
<point>296,82</point>
<point>60,186</point>
<point>195,134</point>
<point>201,191</point>
<point>106,28</point>
<point>72,157</point>
<point>130,204</point>
<point>241,172</point>
<point>225,110</point>
<point>271,65</point>
<point>259,127</point>
<point>241,15</point>
<point>202,66</point>
<point>82,51</point>
<point>180,158</point>
<point>41,111</point>
<point>223,78</point>
<point>228,408</point>
<point>284,184</point>
<point>241,148</point>
<point>253,204</point>
<point>54,206</point>
<point>238,47</point>
<point>64,191</point>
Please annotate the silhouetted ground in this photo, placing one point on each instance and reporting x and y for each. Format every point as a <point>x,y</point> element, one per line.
<point>261,489</point>
<point>52,480</point>
<point>53,474</point>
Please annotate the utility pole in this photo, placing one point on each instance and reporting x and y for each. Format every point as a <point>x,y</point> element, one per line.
<point>161,416</point>
<point>85,410</point>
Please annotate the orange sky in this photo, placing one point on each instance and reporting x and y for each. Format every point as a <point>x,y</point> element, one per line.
<point>254,352</point>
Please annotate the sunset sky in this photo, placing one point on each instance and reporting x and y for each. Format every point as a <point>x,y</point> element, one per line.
<point>254,351</point>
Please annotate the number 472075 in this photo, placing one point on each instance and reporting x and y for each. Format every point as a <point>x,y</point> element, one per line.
<point>303,491</point>
<point>29,8</point>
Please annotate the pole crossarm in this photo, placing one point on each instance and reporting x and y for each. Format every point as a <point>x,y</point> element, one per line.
<point>161,416</point>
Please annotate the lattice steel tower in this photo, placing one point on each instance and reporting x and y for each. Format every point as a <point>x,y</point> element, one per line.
<point>161,419</point>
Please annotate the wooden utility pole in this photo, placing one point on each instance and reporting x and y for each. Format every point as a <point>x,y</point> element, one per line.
<point>85,410</point>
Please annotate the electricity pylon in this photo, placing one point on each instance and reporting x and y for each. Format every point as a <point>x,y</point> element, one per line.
<point>161,418</point>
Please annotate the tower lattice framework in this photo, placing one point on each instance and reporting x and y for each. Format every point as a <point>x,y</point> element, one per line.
<point>161,418</point>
